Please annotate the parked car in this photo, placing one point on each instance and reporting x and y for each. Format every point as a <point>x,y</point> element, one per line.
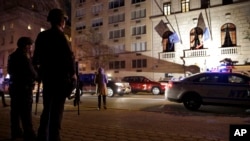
<point>210,88</point>
<point>144,84</point>
<point>114,87</point>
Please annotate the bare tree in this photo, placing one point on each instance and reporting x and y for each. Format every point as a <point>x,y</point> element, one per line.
<point>94,50</point>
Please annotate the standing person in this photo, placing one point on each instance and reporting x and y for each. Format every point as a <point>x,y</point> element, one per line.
<point>54,58</point>
<point>22,78</point>
<point>2,90</point>
<point>101,81</point>
<point>3,97</point>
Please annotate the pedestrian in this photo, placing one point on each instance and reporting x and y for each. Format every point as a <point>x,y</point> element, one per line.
<point>2,90</point>
<point>3,97</point>
<point>54,59</point>
<point>101,81</point>
<point>21,84</point>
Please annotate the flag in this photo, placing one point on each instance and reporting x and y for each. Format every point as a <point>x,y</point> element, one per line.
<point>161,28</point>
<point>173,38</point>
<point>201,24</point>
<point>206,34</point>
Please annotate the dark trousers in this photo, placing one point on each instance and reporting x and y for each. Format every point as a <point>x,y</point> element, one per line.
<point>103,97</point>
<point>52,114</point>
<point>21,110</point>
<point>3,98</point>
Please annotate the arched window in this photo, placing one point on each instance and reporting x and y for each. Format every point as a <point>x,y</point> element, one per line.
<point>196,38</point>
<point>166,44</point>
<point>228,35</point>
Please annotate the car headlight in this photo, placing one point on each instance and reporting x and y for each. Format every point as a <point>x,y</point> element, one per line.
<point>119,84</point>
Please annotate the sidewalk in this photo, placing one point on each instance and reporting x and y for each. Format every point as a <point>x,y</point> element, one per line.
<point>127,125</point>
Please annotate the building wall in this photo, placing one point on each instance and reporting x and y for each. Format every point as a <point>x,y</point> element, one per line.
<point>15,17</point>
<point>182,23</point>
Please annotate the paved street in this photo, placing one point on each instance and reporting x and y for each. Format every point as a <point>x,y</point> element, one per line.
<point>132,124</point>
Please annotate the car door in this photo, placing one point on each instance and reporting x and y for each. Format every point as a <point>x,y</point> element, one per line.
<point>239,87</point>
<point>211,87</point>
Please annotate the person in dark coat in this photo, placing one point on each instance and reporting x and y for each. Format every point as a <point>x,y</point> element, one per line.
<point>21,84</point>
<point>101,84</point>
<point>55,61</point>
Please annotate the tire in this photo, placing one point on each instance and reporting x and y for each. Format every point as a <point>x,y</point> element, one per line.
<point>110,92</point>
<point>192,102</point>
<point>155,90</point>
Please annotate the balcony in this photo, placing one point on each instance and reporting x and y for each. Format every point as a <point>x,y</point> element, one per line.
<point>229,50</point>
<point>167,55</point>
<point>195,53</point>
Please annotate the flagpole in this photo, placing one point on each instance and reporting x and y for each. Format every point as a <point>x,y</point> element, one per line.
<point>209,20</point>
<point>168,20</point>
<point>177,26</point>
<point>164,15</point>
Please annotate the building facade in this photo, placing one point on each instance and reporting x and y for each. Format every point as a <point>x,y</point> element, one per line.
<point>22,18</point>
<point>208,31</point>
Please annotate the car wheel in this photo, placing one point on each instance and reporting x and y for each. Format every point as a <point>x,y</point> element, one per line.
<point>110,92</point>
<point>192,102</point>
<point>156,90</point>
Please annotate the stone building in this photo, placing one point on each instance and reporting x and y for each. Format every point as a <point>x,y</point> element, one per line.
<point>129,28</point>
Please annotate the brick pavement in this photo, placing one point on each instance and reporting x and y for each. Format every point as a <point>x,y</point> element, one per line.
<point>129,125</point>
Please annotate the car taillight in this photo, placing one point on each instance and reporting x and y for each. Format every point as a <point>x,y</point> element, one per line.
<point>170,84</point>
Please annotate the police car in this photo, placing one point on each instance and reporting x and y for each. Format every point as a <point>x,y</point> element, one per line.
<point>210,88</point>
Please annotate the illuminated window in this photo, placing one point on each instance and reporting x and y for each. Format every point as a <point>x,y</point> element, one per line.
<point>228,35</point>
<point>167,8</point>
<point>42,29</point>
<point>29,27</point>
<point>3,27</point>
<point>185,6</point>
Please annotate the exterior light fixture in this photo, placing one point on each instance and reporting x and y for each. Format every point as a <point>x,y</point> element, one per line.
<point>195,20</point>
<point>228,15</point>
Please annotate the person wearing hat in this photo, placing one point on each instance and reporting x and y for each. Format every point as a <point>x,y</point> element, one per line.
<point>21,83</point>
<point>55,61</point>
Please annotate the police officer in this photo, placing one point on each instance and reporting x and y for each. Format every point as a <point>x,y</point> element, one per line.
<point>22,77</point>
<point>55,60</point>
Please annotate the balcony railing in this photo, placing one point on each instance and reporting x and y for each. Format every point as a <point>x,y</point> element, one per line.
<point>202,52</point>
<point>229,50</point>
<point>167,55</point>
<point>196,53</point>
